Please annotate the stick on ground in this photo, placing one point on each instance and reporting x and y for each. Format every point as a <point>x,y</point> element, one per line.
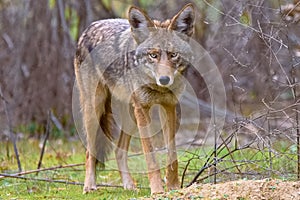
<point>48,127</point>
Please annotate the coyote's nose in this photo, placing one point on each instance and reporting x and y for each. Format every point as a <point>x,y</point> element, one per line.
<point>164,80</point>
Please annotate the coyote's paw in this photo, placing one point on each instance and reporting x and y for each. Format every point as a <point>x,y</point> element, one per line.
<point>157,190</point>
<point>87,189</point>
<point>129,185</point>
<point>173,186</point>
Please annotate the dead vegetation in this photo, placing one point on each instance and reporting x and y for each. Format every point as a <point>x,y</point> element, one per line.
<point>238,190</point>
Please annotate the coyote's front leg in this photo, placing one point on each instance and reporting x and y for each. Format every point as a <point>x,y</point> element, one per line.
<point>168,120</point>
<point>143,122</point>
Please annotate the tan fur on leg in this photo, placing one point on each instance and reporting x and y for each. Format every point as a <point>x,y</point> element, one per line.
<point>122,157</point>
<point>143,120</point>
<point>168,117</point>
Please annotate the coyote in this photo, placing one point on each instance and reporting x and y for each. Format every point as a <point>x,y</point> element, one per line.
<point>139,62</point>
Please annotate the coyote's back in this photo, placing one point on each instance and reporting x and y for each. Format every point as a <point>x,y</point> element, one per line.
<point>138,62</point>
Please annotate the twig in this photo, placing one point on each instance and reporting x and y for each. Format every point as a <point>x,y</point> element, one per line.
<point>56,181</point>
<point>231,156</point>
<point>8,41</point>
<point>260,31</point>
<point>11,134</point>
<point>48,127</point>
<point>296,118</point>
<point>235,59</point>
<point>298,141</point>
<point>215,139</point>
<point>223,170</point>
<point>56,122</point>
<point>295,6</point>
<point>208,165</point>
<point>184,172</point>
<point>269,147</point>
<point>45,169</point>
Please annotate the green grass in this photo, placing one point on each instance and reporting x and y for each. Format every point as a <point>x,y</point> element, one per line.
<point>16,189</point>
<point>60,152</point>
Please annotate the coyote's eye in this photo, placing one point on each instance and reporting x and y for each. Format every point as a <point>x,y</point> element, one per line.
<point>174,55</point>
<point>153,55</point>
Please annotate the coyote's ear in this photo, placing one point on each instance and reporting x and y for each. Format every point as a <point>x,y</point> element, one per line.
<point>184,21</point>
<point>140,24</point>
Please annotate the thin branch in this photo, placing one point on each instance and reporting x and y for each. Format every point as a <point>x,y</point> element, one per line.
<point>56,181</point>
<point>56,122</point>
<point>219,172</point>
<point>45,169</point>
<point>11,134</point>
<point>208,165</point>
<point>294,79</point>
<point>8,41</point>
<point>235,59</point>
<point>184,172</point>
<point>48,127</point>
<point>231,156</point>
<point>271,50</point>
<point>215,139</point>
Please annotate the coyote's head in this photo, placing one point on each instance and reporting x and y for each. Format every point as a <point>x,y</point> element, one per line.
<point>163,48</point>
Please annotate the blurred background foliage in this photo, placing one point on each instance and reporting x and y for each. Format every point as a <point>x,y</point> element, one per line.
<point>255,44</point>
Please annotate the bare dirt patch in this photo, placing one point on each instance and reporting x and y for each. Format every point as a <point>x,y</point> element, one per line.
<point>239,190</point>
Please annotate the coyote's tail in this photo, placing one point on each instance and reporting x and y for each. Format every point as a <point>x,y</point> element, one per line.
<point>104,136</point>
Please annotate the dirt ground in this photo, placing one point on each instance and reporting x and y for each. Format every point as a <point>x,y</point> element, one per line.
<point>239,190</point>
